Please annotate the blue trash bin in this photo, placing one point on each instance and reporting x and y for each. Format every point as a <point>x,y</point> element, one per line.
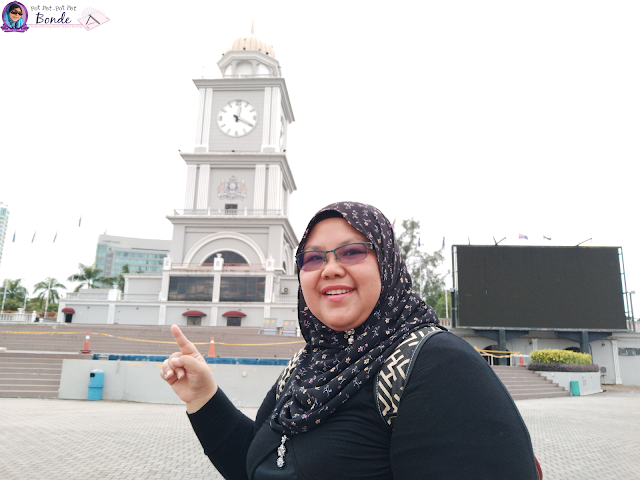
<point>575,388</point>
<point>96,383</point>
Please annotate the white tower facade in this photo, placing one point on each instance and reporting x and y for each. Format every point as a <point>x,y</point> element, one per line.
<point>231,258</point>
<point>233,237</point>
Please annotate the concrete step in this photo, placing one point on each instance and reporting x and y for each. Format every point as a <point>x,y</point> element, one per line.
<point>30,380</point>
<point>531,396</point>
<point>525,384</point>
<point>28,394</point>
<point>33,387</point>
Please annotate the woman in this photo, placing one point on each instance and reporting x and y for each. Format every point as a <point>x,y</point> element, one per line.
<point>455,419</point>
<point>13,16</point>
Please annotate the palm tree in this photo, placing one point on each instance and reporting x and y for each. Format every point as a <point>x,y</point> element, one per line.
<point>125,269</point>
<point>88,277</point>
<point>16,293</point>
<point>43,287</point>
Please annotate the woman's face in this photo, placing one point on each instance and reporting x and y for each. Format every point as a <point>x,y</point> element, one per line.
<point>340,311</point>
<point>15,14</point>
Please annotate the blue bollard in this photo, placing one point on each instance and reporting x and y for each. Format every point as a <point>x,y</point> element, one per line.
<point>96,383</point>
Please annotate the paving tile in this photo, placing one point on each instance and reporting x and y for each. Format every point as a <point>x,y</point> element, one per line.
<point>591,437</point>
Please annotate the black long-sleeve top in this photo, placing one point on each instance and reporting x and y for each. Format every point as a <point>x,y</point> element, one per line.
<point>456,421</point>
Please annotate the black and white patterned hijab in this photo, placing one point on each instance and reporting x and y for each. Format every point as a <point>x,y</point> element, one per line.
<point>328,371</point>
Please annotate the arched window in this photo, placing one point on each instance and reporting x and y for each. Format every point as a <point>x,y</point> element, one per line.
<point>229,257</point>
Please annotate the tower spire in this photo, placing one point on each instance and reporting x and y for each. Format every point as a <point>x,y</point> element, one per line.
<point>251,27</point>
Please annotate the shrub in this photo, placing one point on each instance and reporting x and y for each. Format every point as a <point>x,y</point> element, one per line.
<point>560,356</point>
<point>563,367</point>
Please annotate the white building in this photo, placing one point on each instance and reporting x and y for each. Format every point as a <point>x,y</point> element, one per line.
<point>4,222</point>
<point>142,255</point>
<point>231,258</point>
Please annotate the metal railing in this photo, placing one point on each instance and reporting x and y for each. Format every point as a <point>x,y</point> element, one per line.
<point>285,299</point>
<point>139,297</point>
<point>17,317</point>
<point>492,355</point>
<point>259,75</point>
<point>220,212</point>
<point>227,267</point>
<point>87,295</point>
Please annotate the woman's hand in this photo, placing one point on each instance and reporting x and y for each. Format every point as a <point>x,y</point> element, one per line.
<point>188,374</point>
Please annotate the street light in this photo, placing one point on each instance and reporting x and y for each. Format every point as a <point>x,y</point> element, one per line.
<point>633,319</point>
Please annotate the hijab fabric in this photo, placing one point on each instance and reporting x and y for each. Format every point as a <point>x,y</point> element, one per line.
<point>7,18</point>
<point>328,371</point>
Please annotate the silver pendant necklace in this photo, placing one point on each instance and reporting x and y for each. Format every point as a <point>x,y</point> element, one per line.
<point>281,452</point>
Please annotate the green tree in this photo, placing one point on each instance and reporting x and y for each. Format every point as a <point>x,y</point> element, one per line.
<point>89,277</point>
<point>125,269</point>
<point>423,267</point>
<point>53,294</point>
<point>16,294</point>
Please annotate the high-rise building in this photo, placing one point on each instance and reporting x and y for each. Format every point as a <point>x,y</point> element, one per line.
<point>4,222</point>
<point>140,254</point>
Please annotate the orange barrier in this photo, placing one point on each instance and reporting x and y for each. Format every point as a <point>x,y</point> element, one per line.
<point>87,347</point>
<point>212,349</point>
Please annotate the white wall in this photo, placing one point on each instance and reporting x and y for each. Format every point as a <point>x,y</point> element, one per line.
<point>245,385</point>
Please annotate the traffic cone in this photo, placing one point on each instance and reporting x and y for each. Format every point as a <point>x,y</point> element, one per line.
<point>212,349</point>
<point>87,347</point>
<point>521,364</point>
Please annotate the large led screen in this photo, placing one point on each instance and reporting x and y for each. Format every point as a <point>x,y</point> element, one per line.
<point>539,287</point>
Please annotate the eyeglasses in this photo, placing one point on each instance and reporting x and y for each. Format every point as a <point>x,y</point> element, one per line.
<point>16,12</point>
<point>346,254</point>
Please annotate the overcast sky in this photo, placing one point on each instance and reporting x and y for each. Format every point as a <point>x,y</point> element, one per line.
<point>478,119</point>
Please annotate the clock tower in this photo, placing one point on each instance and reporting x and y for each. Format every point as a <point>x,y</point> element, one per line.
<point>233,245</point>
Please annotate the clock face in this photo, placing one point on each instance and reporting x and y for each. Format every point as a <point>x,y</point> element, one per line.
<point>281,133</point>
<point>237,118</point>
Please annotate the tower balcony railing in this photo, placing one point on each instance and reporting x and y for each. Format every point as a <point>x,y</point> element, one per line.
<point>227,267</point>
<point>221,212</point>
<point>258,75</point>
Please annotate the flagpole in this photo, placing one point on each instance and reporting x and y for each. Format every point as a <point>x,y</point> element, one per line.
<point>46,305</point>
<point>4,296</point>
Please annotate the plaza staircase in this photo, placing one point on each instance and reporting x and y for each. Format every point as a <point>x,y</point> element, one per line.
<point>35,375</point>
<point>525,384</point>
<point>234,342</point>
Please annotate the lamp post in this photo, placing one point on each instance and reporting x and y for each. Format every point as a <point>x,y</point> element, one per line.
<point>4,296</point>
<point>633,319</point>
<point>46,305</point>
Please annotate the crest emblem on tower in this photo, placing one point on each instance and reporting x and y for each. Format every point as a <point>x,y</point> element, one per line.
<point>232,188</point>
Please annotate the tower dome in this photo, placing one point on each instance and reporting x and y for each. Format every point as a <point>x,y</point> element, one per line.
<point>249,56</point>
<point>251,43</point>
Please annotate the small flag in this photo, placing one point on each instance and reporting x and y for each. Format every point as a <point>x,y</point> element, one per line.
<point>418,241</point>
<point>521,236</point>
<point>14,236</point>
<point>54,238</point>
<point>393,225</point>
<point>469,238</point>
<point>546,238</point>
<point>34,237</point>
<point>80,221</point>
<point>443,241</point>
<point>494,240</point>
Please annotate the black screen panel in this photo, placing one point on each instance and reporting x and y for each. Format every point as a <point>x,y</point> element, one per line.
<point>539,287</point>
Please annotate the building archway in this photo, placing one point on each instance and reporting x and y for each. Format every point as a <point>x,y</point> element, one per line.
<point>228,256</point>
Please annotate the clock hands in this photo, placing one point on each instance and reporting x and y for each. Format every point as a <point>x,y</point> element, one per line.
<point>243,120</point>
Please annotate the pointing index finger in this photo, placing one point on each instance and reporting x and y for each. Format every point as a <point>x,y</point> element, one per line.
<point>186,347</point>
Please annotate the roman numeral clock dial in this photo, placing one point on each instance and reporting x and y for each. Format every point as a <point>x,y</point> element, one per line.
<point>237,118</point>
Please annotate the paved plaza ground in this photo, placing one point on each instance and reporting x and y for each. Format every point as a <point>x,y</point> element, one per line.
<point>591,437</point>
